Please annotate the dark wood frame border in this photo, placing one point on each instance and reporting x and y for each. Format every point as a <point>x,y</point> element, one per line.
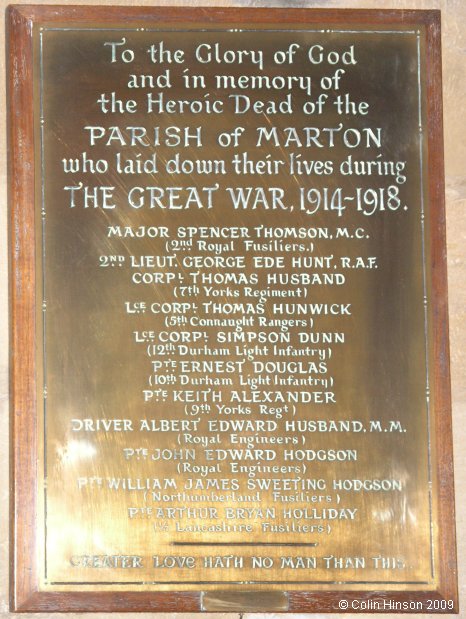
<point>25,595</point>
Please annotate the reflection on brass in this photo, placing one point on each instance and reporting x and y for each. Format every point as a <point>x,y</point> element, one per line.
<point>245,601</point>
<point>139,492</point>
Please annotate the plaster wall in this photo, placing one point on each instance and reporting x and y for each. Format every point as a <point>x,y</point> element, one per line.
<point>454,91</point>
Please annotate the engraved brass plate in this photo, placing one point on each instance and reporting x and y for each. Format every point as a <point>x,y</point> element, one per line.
<point>234,309</point>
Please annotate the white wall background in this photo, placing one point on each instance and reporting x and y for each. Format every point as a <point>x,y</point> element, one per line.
<point>454,89</point>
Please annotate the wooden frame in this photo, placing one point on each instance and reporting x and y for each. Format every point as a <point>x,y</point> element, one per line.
<point>25,595</point>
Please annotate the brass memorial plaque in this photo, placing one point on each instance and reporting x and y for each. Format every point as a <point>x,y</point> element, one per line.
<point>240,373</point>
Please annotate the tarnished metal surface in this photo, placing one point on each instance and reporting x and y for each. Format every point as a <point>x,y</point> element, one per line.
<point>142,489</point>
